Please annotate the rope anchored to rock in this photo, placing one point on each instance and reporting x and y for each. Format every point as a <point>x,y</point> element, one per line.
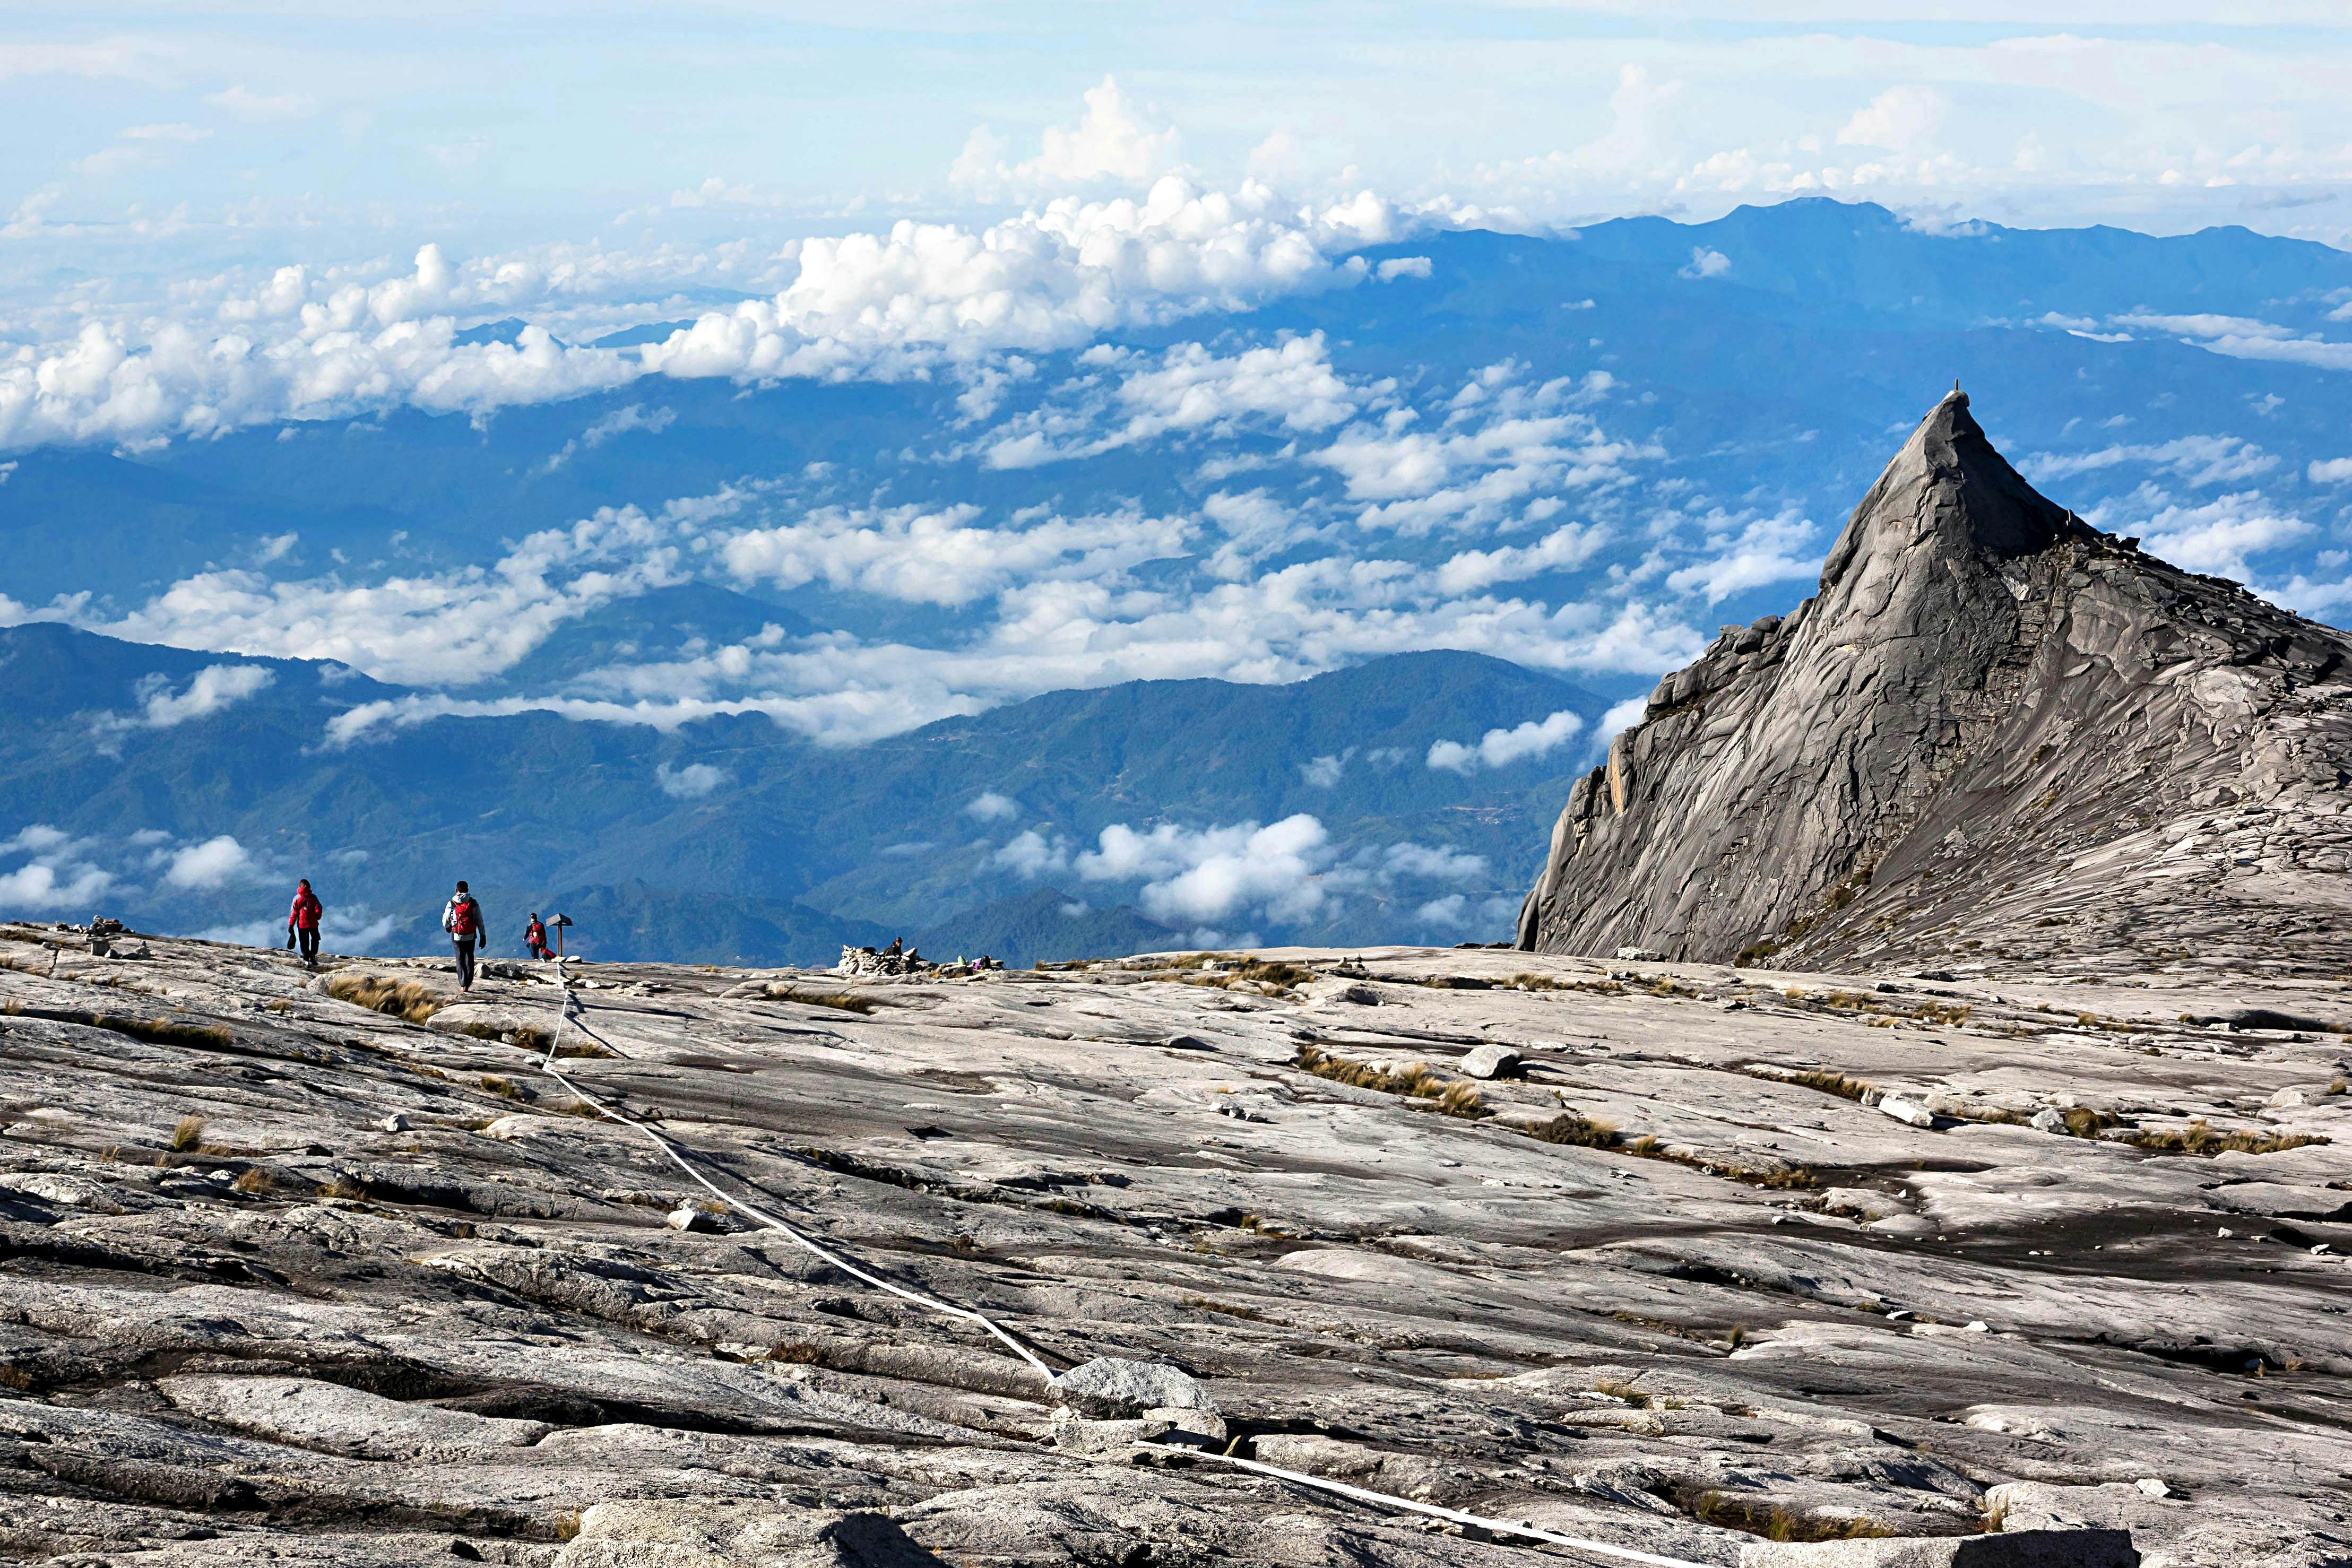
<point>547,1066</point>
<point>565,1015</point>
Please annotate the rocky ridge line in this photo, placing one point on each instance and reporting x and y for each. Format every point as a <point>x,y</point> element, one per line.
<point>1995,735</point>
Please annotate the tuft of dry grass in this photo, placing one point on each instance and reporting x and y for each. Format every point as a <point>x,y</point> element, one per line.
<point>1638,1398</point>
<point>1777,1521</point>
<point>2198,1138</point>
<point>2082,1122</point>
<point>579,1047</point>
<point>1226,1309</point>
<point>1828,1082</point>
<point>504,1088</point>
<point>1575,1129</point>
<point>406,999</point>
<point>840,1001</point>
<point>1415,1079</point>
<point>345,1185</point>
<point>1463,1098</point>
<point>188,1135</point>
<point>1237,971</point>
<point>2336,1084</point>
<point>254,1182</point>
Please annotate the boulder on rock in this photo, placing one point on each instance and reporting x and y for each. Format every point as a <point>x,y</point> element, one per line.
<point>1110,1388</point>
<point>1491,1061</point>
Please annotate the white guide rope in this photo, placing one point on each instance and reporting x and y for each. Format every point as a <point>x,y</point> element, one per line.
<point>547,1065</point>
<point>1497,1526</point>
<point>1296,1477</point>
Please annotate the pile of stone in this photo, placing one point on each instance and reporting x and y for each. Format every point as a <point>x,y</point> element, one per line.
<point>881,961</point>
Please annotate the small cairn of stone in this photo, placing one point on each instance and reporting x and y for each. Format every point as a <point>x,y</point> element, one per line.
<point>881,961</point>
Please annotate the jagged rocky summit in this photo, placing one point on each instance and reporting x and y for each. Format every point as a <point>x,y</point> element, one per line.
<point>1996,735</point>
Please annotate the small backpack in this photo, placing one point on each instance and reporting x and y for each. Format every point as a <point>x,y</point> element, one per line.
<point>466,919</point>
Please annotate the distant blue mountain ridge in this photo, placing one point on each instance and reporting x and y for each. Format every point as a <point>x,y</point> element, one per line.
<point>779,851</point>
<point>1584,452</point>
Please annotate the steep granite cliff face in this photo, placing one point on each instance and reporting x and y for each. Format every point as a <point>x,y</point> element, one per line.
<point>1995,735</point>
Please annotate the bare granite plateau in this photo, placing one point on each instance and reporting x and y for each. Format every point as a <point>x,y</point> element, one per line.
<point>1721,1266</point>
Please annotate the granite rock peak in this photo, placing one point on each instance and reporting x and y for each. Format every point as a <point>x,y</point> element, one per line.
<point>1994,735</point>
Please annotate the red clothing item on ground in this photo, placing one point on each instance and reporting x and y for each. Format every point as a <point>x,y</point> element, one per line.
<point>304,915</point>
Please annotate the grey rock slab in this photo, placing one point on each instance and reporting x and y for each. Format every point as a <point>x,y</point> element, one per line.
<point>1112,1386</point>
<point>347,1421</point>
<point>1535,1329</point>
<point>2023,1549</point>
<point>735,1534</point>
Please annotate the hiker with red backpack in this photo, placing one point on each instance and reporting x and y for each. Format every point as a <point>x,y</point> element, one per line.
<point>302,922</point>
<point>462,919</point>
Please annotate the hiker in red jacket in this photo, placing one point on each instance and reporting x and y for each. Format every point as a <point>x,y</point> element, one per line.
<point>462,918</point>
<point>302,922</point>
<point>534,937</point>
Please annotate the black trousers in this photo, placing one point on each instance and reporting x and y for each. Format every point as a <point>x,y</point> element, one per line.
<point>308,936</point>
<point>465,963</point>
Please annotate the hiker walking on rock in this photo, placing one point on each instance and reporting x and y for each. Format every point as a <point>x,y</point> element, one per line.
<point>302,922</point>
<point>534,937</point>
<point>461,917</point>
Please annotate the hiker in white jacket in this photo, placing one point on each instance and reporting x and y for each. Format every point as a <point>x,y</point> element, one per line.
<point>462,918</point>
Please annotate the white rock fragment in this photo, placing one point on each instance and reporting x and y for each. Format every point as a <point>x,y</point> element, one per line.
<point>1111,1387</point>
<point>2048,1121</point>
<point>1908,1112</point>
<point>1642,954</point>
<point>1491,1061</point>
<point>691,1217</point>
<point>395,1123</point>
<point>2153,1487</point>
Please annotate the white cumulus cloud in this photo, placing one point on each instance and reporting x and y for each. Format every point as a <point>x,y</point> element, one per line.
<point>57,872</point>
<point>1902,119</point>
<point>2217,537</point>
<point>1764,550</point>
<point>1111,144</point>
<point>212,864</point>
<point>2198,459</point>
<point>692,783</point>
<point>215,687</point>
<point>1202,875</point>
<point>988,806</point>
<point>1500,748</point>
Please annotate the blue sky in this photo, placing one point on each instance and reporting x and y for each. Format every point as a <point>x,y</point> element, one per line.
<point>324,132</point>
<point>993,349</point>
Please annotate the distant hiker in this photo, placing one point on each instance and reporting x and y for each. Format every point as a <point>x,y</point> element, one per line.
<point>461,917</point>
<point>534,937</point>
<point>892,951</point>
<point>302,922</point>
